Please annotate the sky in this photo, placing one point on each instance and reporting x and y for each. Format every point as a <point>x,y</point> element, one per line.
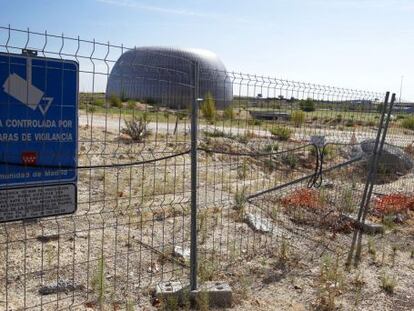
<point>358,44</point>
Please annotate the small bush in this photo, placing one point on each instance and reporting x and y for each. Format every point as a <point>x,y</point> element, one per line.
<point>282,133</point>
<point>297,117</point>
<point>131,104</point>
<point>136,128</point>
<point>99,102</point>
<point>255,122</point>
<point>90,108</point>
<point>331,283</point>
<point>270,148</point>
<point>349,123</point>
<point>228,113</point>
<point>290,160</point>
<point>240,200</point>
<point>388,283</point>
<point>115,101</point>
<point>307,105</point>
<point>98,281</point>
<point>208,107</point>
<point>408,123</point>
<point>215,133</point>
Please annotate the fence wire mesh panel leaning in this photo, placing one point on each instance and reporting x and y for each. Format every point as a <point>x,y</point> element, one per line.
<point>279,162</point>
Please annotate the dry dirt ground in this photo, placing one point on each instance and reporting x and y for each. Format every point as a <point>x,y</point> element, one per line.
<point>119,244</point>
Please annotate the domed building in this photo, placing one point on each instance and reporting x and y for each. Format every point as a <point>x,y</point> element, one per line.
<point>166,76</point>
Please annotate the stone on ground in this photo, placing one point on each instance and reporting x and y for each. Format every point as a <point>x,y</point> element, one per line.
<point>258,223</point>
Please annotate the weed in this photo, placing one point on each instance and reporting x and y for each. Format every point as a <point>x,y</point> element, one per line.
<point>358,282</point>
<point>228,113</point>
<point>240,199</point>
<point>243,169</point>
<point>98,280</point>
<point>290,160</point>
<point>91,109</point>
<point>206,270</point>
<point>371,248</point>
<point>282,133</point>
<point>297,118</point>
<point>270,148</point>
<point>244,285</point>
<point>215,133</point>
<point>99,102</point>
<point>170,303</point>
<point>129,305</point>
<point>349,123</point>
<point>131,104</point>
<point>208,107</point>
<point>202,225</point>
<point>115,101</point>
<point>283,253</point>
<point>136,128</point>
<point>330,284</point>
<point>388,283</point>
<point>270,164</point>
<point>408,123</point>
<point>202,301</point>
<point>347,201</point>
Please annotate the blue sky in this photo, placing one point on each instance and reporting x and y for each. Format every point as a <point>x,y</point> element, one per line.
<point>363,44</point>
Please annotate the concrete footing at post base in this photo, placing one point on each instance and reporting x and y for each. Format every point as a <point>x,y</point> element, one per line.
<point>214,294</point>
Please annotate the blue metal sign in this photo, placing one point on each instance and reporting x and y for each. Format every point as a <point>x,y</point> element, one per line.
<point>38,122</point>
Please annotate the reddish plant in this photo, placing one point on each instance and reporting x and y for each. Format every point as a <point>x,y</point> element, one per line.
<point>392,204</point>
<point>304,197</point>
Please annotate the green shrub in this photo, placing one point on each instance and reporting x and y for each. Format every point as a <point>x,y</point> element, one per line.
<point>99,102</point>
<point>215,133</point>
<point>131,104</point>
<point>349,123</point>
<point>90,108</point>
<point>273,147</point>
<point>282,133</point>
<point>255,122</point>
<point>307,105</point>
<point>136,128</point>
<point>115,101</point>
<point>228,113</point>
<point>408,123</point>
<point>290,160</point>
<point>208,107</point>
<point>297,117</point>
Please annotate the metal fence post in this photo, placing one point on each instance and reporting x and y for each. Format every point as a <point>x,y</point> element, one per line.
<point>194,132</point>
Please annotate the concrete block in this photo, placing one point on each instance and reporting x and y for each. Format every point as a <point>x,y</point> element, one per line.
<point>216,294</point>
<point>170,291</point>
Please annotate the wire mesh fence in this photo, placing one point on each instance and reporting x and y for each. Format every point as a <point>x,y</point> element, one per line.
<point>277,162</point>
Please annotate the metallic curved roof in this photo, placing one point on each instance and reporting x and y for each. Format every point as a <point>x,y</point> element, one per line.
<point>166,75</point>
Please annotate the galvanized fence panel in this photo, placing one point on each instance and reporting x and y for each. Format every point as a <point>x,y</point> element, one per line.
<point>272,163</point>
